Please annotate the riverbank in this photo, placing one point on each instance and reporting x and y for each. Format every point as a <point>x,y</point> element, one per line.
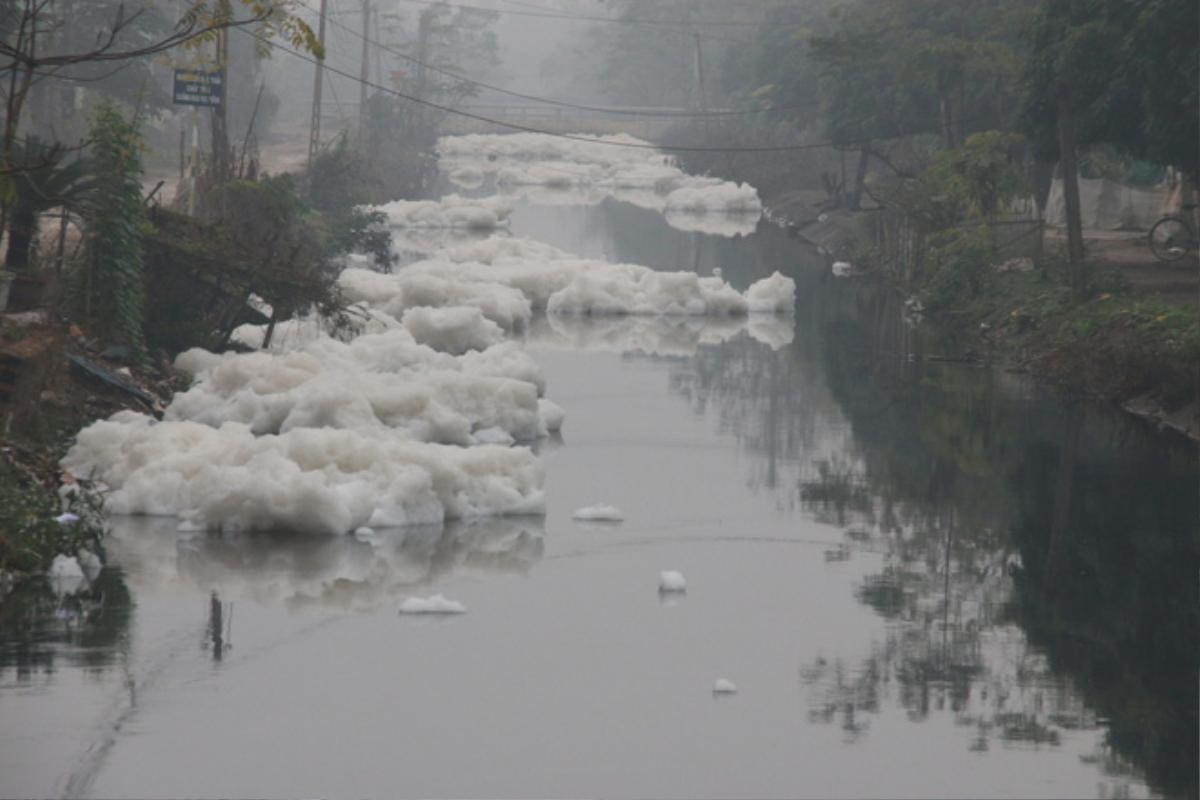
<point>54,380</point>
<point>1122,343</point>
<point>1133,340</point>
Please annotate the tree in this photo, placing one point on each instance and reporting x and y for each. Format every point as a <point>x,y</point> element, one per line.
<point>891,66</point>
<point>33,47</point>
<point>47,184</point>
<point>1129,74</point>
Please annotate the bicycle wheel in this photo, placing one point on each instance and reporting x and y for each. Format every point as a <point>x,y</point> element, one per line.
<point>1170,238</point>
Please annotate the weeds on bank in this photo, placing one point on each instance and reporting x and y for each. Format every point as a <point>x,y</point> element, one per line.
<point>31,534</point>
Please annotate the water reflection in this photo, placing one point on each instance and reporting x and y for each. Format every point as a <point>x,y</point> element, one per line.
<point>346,572</point>
<point>659,336</point>
<point>42,629</point>
<point>1039,558</point>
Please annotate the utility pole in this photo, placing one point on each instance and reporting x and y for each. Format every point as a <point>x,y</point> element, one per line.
<point>314,128</point>
<point>701,104</point>
<point>364,75</point>
<point>220,119</point>
<point>425,21</point>
<point>378,58</point>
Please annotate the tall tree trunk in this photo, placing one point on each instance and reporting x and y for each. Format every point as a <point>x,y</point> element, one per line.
<point>20,238</point>
<point>1070,179</point>
<point>864,158</point>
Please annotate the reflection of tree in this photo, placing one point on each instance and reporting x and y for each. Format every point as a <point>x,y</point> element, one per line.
<point>40,628</point>
<point>1110,594</point>
<point>1039,564</point>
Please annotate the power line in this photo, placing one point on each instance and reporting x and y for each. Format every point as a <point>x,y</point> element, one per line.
<point>582,17</point>
<point>577,138</point>
<point>547,100</point>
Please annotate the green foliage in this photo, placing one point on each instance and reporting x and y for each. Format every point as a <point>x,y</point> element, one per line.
<point>895,67</point>
<point>110,285</point>
<point>30,536</point>
<point>983,176</point>
<point>338,182</point>
<point>43,182</point>
<point>1128,72</point>
<point>957,267</point>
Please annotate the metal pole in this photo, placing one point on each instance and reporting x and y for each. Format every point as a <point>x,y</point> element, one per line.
<point>364,75</point>
<point>314,129</point>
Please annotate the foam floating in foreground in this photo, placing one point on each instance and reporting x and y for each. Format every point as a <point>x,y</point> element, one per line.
<point>318,480</point>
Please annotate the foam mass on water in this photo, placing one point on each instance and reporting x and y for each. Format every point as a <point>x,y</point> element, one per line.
<point>587,169</point>
<point>416,404</point>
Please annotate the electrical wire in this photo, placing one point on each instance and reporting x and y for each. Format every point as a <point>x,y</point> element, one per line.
<point>550,101</point>
<point>572,137</point>
<point>581,17</point>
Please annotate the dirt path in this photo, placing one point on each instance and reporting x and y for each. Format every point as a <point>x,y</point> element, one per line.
<point>1129,251</point>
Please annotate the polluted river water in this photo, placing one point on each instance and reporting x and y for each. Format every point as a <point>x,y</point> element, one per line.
<point>923,579</point>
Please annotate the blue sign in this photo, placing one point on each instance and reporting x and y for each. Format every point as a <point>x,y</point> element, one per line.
<point>195,87</point>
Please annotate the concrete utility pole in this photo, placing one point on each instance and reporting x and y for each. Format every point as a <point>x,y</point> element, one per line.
<point>314,128</point>
<point>378,58</point>
<point>425,22</point>
<point>364,75</point>
<point>220,118</point>
<point>700,104</point>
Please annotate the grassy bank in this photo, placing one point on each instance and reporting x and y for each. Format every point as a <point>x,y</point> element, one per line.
<point>1113,344</point>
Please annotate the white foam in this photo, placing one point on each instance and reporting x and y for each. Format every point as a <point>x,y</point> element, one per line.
<point>724,196</point>
<point>65,568</point>
<point>552,415</point>
<point>773,295</point>
<point>586,170</point>
<point>437,604</point>
<point>562,283</point>
<point>724,686</point>
<point>394,294</point>
<point>318,480</point>
<point>599,513</point>
<point>453,329</point>
<point>671,581</point>
<point>379,381</point>
<point>450,211</point>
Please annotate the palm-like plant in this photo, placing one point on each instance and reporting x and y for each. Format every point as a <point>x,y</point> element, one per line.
<point>43,182</point>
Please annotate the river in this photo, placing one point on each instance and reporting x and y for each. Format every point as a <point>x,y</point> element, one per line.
<point>925,579</point>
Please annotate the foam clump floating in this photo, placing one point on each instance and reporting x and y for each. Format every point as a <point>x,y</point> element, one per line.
<point>450,211</point>
<point>601,512</point>
<point>560,283</point>
<point>318,480</point>
<point>671,581</point>
<point>585,170</point>
<point>385,381</point>
<point>437,604</point>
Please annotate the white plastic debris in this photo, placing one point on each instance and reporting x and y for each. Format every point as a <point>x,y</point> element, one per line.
<point>724,686</point>
<point>599,513</point>
<point>671,581</point>
<point>437,604</point>
<point>66,518</point>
